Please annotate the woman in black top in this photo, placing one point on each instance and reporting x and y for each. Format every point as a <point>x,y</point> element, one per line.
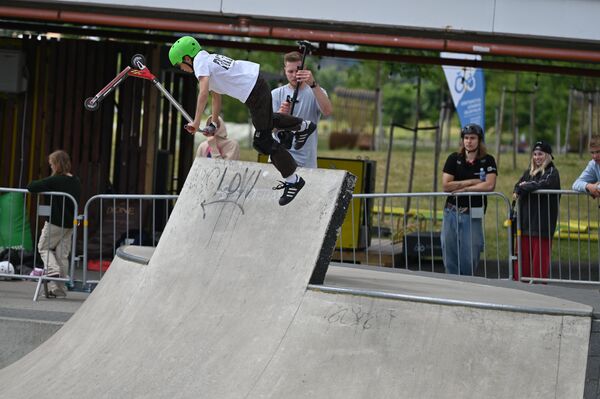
<point>54,244</point>
<point>537,213</point>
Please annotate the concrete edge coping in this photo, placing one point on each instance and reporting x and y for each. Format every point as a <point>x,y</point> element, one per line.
<point>30,320</point>
<point>135,254</point>
<point>142,255</point>
<point>453,302</point>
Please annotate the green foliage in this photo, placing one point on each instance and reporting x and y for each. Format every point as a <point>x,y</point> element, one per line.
<point>399,104</point>
<point>551,100</point>
<point>331,77</point>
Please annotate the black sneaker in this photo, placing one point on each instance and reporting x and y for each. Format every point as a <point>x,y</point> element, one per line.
<point>285,138</point>
<point>290,190</point>
<point>303,135</point>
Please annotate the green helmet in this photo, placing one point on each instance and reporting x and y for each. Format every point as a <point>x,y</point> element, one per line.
<point>186,45</point>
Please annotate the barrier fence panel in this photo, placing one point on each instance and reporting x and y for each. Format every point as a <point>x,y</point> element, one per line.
<point>51,255</point>
<point>556,233</point>
<point>16,244</point>
<point>406,231</point>
<point>110,221</point>
<point>559,237</point>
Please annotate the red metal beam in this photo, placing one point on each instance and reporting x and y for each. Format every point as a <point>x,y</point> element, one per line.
<point>245,28</point>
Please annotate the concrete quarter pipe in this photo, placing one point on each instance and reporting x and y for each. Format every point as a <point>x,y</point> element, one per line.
<point>224,309</point>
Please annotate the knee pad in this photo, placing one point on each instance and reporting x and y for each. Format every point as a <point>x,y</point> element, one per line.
<point>263,142</point>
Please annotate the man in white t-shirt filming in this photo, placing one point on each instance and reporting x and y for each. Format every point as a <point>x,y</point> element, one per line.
<point>241,79</point>
<point>311,102</point>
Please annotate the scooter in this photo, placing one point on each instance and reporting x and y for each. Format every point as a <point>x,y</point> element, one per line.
<point>138,69</point>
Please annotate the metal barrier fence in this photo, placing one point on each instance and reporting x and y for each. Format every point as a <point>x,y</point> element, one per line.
<point>558,237</point>
<point>59,214</point>
<point>405,231</point>
<point>394,230</point>
<point>110,221</point>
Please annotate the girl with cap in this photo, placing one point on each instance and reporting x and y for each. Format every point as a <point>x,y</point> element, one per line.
<point>537,213</point>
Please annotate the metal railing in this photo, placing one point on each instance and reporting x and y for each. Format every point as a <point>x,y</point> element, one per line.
<point>16,212</point>
<point>405,231</point>
<point>395,230</point>
<point>112,220</point>
<point>558,237</point>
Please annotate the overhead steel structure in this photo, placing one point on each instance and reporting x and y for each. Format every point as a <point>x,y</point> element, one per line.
<point>538,30</point>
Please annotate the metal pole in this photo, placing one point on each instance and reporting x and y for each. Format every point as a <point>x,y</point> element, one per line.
<point>414,144</point>
<point>581,126</point>
<point>378,135</point>
<point>514,123</point>
<point>447,127</point>
<point>173,102</point>
<point>436,154</point>
<point>387,166</point>
<point>590,115</point>
<point>438,141</point>
<point>388,160</point>
<point>532,118</point>
<point>568,124</point>
<point>558,149</point>
<point>500,120</point>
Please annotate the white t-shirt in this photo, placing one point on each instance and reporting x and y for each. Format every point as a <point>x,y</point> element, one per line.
<point>234,78</point>
<point>306,108</point>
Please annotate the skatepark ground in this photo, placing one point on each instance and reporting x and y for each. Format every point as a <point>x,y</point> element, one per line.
<point>25,324</point>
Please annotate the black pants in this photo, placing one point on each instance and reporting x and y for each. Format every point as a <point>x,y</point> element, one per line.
<point>265,120</point>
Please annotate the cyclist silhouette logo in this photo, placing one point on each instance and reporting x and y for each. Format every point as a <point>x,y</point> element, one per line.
<point>465,80</point>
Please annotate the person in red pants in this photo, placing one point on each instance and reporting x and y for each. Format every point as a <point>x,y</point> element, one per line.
<point>537,213</point>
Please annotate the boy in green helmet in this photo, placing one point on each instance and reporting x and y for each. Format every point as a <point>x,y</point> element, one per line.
<point>242,80</point>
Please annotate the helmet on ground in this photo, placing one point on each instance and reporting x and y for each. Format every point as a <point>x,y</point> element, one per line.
<point>6,267</point>
<point>471,128</point>
<point>186,45</point>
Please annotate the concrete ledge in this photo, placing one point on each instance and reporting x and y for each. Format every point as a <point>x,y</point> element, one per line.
<point>392,284</point>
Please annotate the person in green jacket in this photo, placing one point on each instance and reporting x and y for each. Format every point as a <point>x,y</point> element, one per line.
<point>54,244</point>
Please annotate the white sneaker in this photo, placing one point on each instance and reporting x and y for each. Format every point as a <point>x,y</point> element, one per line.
<point>36,272</point>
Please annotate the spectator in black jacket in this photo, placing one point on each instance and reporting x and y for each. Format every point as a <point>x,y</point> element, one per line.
<point>537,213</point>
<point>54,244</point>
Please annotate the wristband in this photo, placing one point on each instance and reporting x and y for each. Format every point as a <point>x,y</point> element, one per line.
<point>312,86</point>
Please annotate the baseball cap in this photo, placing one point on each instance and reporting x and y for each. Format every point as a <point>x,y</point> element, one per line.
<point>542,146</point>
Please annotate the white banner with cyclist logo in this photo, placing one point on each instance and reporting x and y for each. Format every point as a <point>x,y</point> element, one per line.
<point>467,87</point>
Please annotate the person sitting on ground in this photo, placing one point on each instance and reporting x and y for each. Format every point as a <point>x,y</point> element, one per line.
<point>54,244</point>
<point>217,145</point>
<point>538,213</point>
<point>589,180</point>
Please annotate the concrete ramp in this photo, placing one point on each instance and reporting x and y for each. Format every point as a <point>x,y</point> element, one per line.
<point>206,315</point>
<point>224,309</point>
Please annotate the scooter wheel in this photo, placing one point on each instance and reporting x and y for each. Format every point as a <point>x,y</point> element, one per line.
<point>90,104</point>
<point>138,61</point>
